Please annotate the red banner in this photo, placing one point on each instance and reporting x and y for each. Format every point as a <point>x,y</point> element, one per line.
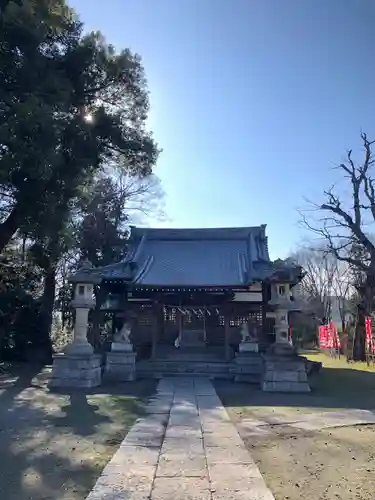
<point>370,341</point>
<point>329,337</point>
<point>323,337</point>
<point>335,339</point>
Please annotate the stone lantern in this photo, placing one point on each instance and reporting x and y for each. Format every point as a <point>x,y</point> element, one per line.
<point>284,370</point>
<point>281,299</point>
<point>77,365</point>
<point>83,301</point>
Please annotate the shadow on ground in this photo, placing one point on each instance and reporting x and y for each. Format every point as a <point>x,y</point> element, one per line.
<point>55,444</point>
<point>332,388</point>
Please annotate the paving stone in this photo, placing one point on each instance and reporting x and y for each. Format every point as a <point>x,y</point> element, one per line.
<point>182,409</point>
<point>156,408</point>
<point>187,445</point>
<point>208,402</point>
<point>221,429</point>
<point>182,464</point>
<point>216,415</point>
<point>181,432</point>
<point>261,493</point>
<point>185,400</point>
<point>233,474</point>
<point>152,426</point>
<point>146,439</point>
<point>136,477</point>
<point>161,419</point>
<point>212,440</point>
<point>234,455</point>
<point>189,488</point>
<point>135,483</point>
<point>162,399</point>
<point>165,386</point>
<point>184,386</point>
<point>109,494</point>
<point>141,455</point>
<point>205,391</point>
<point>189,420</point>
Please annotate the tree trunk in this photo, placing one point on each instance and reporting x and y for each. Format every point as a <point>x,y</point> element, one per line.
<point>343,326</point>
<point>97,314</point>
<point>364,309</point>
<point>48,301</point>
<point>359,341</point>
<point>9,227</point>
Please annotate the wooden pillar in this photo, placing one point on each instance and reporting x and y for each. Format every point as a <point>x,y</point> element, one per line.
<point>226,336</point>
<point>161,328</point>
<point>205,324</point>
<point>265,329</point>
<point>113,325</point>
<point>155,327</point>
<point>179,323</point>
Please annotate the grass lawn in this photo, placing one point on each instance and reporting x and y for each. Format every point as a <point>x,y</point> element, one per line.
<point>346,385</point>
<point>331,464</point>
<point>54,445</point>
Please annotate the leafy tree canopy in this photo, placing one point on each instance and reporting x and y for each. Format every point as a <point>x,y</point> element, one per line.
<point>68,105</point>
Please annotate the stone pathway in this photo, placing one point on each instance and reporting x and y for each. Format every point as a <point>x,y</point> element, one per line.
<point>186,448</point>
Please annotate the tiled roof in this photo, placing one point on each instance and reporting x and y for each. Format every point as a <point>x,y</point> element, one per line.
<point>199,257</point>
<point>219,257</point>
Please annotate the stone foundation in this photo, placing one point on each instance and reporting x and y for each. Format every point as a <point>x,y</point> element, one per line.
<point>120,366</point>
<point>248,367</point>
<point>285,374</point>
<point>248,347</point>
<point>74,370</point>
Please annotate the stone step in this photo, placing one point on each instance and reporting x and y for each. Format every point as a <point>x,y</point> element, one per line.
<point>184,356</point>
<point>161,374</point>
<point>182,363</point>
<point>188,368</point>
<point>202,352</point>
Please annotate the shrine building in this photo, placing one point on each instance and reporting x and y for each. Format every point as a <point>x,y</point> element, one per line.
<point>193,289</point>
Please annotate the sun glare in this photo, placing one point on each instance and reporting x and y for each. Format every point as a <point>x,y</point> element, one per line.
<point>89,118</point>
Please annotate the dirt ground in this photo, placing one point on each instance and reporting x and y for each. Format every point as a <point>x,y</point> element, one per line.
<point>324,464</point>
<point>55,445</point>
<point>330,464</point>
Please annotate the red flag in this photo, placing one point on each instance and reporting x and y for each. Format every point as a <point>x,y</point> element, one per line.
<point>336,344</point>
<point>323,337</point>
<point>370,344</point>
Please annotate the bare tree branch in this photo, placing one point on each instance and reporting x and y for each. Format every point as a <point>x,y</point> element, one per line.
<point>344,226</point>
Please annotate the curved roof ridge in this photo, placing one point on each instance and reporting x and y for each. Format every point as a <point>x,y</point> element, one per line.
<point>197,233</point>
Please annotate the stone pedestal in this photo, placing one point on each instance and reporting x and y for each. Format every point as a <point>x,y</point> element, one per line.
<point>248,366</point>
<point>120,365</point>
<point>72,369</point>
<point>248,347</point>
<point>284,370</point>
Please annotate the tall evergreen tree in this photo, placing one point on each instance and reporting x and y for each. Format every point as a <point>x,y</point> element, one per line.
<point>68,105</point>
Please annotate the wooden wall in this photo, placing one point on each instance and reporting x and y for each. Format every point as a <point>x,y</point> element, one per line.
<point>163,323</point>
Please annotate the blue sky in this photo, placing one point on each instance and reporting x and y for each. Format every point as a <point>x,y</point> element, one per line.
<point>253,101</point>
